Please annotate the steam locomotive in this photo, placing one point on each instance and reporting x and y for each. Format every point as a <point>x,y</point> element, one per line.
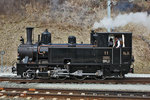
<point>72,60</point>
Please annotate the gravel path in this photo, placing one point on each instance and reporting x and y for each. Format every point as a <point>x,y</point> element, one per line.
<point>120,87</point>
<point>137,75</point>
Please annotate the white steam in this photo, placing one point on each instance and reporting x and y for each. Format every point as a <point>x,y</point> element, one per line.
<point>123,19</point>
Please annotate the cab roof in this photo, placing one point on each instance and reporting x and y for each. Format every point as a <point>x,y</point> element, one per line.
<point>113,32</point>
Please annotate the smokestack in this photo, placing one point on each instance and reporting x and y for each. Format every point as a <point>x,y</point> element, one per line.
<point>29,35</point>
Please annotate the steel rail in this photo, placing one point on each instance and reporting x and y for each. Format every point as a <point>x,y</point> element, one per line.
<point>106,81</point>
<point>65,93</point>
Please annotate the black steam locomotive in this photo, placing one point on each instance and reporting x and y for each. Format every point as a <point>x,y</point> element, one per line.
<point>71,60</point>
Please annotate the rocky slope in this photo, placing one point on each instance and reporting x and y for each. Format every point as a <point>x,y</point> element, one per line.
<point>63,18</point>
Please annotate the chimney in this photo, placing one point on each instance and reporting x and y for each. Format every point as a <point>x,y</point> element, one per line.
<point>29,35</point>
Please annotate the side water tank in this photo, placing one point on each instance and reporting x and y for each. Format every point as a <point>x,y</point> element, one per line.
<point>72,40</point>
<point>46,37</point>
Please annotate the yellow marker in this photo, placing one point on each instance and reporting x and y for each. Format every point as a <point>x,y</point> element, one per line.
<point>31,89</point>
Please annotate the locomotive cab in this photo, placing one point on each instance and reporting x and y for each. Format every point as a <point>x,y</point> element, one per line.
<point>120,59</point>
<point>102,39</point>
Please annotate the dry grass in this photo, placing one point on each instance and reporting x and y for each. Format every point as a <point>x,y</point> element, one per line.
<point>70,17</point>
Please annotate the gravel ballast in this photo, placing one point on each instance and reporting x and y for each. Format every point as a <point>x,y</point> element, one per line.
<point>116,87</point>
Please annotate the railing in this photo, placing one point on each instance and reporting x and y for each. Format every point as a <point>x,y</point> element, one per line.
<point>5,69</point>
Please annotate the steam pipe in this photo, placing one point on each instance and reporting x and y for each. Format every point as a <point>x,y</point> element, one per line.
<point>108,12</point>
<point>29,35</point>
<point>38,38</point>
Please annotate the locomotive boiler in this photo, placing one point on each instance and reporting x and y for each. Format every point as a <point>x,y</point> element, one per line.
<point>97,59</point>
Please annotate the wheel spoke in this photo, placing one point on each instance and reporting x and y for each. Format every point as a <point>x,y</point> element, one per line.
<point>28,74</point>
<point>79,77</point>
<point>61,77</point>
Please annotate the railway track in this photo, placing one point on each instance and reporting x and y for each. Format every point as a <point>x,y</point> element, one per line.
<point>106,81</point>
<point>30,93</point>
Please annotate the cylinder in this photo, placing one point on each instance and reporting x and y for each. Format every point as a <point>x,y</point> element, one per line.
<point>46,37</point>
<point>29,35</point>
<point>72,40</point>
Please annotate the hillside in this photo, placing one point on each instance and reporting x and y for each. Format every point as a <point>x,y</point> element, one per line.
<point>63,18</point>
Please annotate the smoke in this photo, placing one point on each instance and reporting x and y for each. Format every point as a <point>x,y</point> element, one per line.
<point>121,20</point>
<point>55,4</point>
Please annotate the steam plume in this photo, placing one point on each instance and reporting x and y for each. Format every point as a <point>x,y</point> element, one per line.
<point>123,19</point>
